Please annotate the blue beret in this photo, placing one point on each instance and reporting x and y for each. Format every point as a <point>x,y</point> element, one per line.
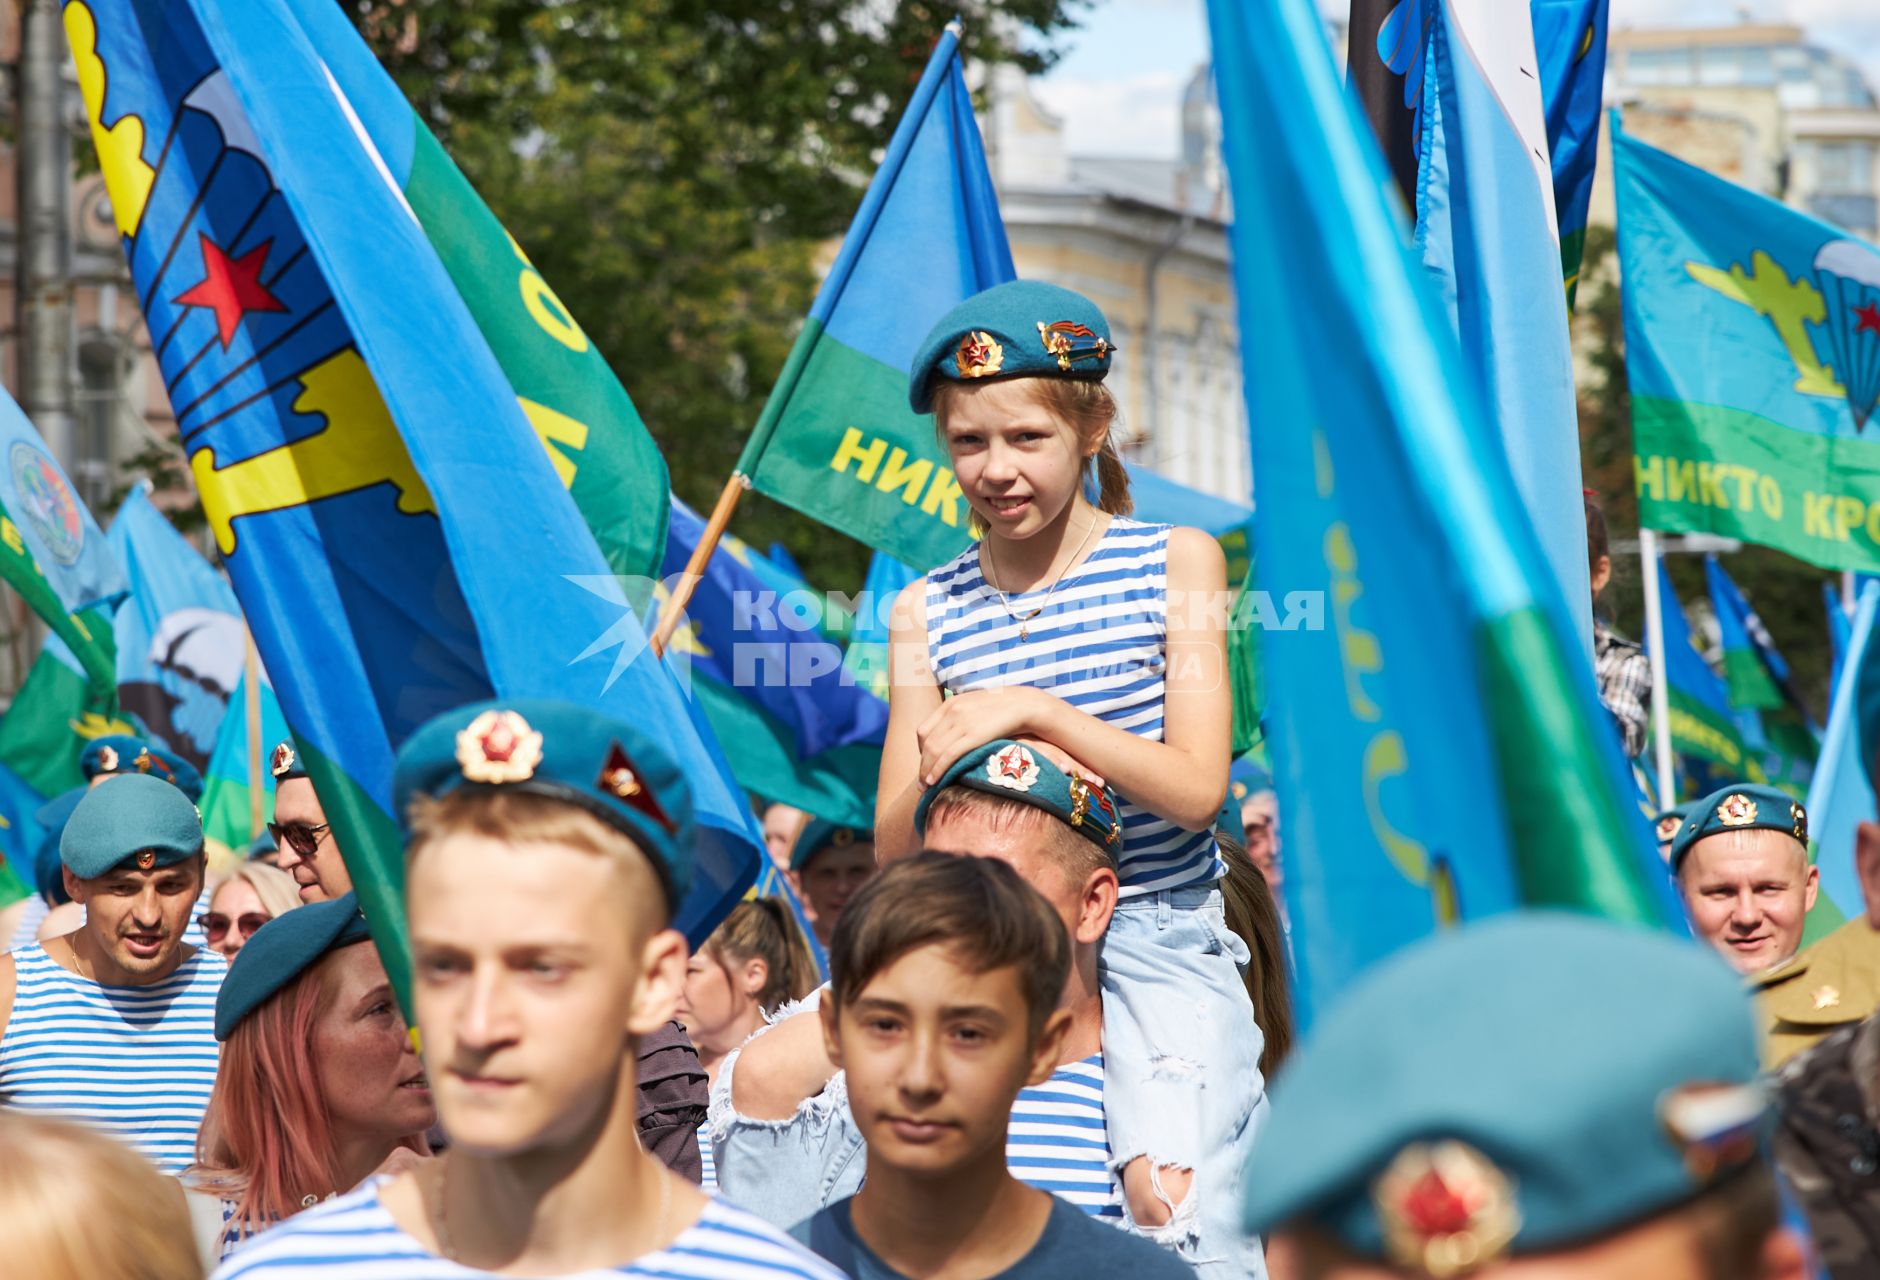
<point>614,769</point>
<point>1013,770</point>
<point>1019,329</point>
<point>1245,778</point>
<point>1666,824</point>
<point>161,762</point>
<point>819,834</point>
<point>284,762</point>
<point>263,843</point>
<point>1518,1085</point>
<point>133,816</point>
<point>1227,822</point>
<point>1742,807</point>
<point>283,949</point>
<point>52,817</point>
<point>112,753</point>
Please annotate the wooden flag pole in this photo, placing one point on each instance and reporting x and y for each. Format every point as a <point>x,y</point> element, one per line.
<point>251,675</point>
<point>695,567</point>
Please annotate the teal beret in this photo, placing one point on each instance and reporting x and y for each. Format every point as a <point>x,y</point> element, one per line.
<point>262,844</point>
<point>1013,770</point>
<point>130,818</point>
<point>1666,824</point>
<point>615,770</point>
<point>283,949</point>
<point>173,769</point>
<point>113,753</point>
<point>284,762</point>
<point>1519,1085</point>
<point>1019,329</point>
<point>47,865</point>
<point>820,834</point>
<point>1246,778</point>
<point>1743,807</point>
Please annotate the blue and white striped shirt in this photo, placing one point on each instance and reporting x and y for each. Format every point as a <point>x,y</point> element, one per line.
<point>1100,644</point>
<point>352,1237</point>
<point>1057,1141</point>
<point>708,1163</point>
<point>136,1062</point>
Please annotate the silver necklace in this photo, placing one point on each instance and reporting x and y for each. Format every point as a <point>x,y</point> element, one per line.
<point>445,1247</point>
<point>1024,620</point>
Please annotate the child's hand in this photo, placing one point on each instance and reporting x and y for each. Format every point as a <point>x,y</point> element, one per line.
<point>971,720</point>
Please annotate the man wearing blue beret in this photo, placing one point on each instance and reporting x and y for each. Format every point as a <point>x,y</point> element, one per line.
<point>1538,1095</point>
<point>547,848</point>
<point>831,863</point>
<point>787,1144</point>
<point>1740,856</point>
<point>113,1025</point>
<point>308,849</point>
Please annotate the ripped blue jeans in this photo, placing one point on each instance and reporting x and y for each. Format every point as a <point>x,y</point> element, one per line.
<point>1182,1065</point>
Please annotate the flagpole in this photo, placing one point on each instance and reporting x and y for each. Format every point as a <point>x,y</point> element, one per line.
<point>701,556</point>
<point>251,674</point>
<point>1847,592</point>
<point>1655,641</point>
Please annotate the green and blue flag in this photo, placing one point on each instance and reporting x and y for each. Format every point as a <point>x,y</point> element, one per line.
<point>1440,750</point>
<point>402,531</point>
<point>1570,44</point>
<point>837,440</point>
<point>1752,348</point>
<point>1841,796</point>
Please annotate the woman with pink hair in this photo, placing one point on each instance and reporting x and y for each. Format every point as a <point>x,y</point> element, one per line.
<point>318,1087</point>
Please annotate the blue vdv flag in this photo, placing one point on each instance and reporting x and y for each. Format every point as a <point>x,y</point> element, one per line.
<point>1755,670</point>
<point>1486,226</point>
<point>393,526</point>
<point>1841,797</point>
<point>181,642</point>
<point>867,656</point>
<point>1570,45</point>
<point>56,528</point>
<point>20,833</point>
<point>1438,746</point>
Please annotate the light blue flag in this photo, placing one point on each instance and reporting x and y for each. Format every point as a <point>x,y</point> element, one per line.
<point>19,826</point>
<point>1705,734</point>
<point>237,766</point>
<point>57,529</point>
<point>1439,749</point>
<point>1841,795</point>
<point>1486,226</point>
<point>1840,626</point>
<point>181,642</point>
<point>1570,44</point>
<point>1163,501</point>
<point>867,656</point>
<point>395,529</point>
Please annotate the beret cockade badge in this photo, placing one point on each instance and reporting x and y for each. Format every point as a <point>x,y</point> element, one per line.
<point>1013,768</point>
<point>107,759</point>
<point>498,747</point>
<point>1445,1209</point>
<point>980,355</point>
<point>283,759</point>
<point>1070,341</point>
<point>1737,811</point>
<point>1668,827</point>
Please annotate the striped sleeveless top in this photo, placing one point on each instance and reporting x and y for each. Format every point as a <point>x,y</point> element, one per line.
<point>1101,644</point>
<point>135,1062</point>
<point>352,1237</point>
<point>1057,1141</point>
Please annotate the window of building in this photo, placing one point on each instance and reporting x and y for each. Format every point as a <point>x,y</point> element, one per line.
<point>1844,168</point>
<point>100,404</point>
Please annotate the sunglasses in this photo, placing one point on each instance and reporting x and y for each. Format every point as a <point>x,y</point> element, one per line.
<point>215,925</point>
<point>299,837</point>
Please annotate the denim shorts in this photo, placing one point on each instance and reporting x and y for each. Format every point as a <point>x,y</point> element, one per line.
<point>1181,1055</point>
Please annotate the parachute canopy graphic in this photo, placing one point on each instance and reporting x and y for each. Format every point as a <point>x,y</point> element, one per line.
<point>1848,273</point>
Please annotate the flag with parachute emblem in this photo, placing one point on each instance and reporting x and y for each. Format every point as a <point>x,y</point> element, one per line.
<point>1439,746</point>
<point>181,643</point>
<point>1752,349</point>
<point>837,439</point>
<point>263,228</point>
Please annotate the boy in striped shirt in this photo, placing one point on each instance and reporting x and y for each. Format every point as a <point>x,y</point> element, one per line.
<point>789,1145</point>
<point>113,1024</point>
<point>943,1004</point>
<point>546,848</point>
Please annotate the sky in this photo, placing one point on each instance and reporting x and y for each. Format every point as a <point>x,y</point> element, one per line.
<point>1118,86</point>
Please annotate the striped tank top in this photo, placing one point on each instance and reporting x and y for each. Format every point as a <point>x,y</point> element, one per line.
<point>135,1062</point>
<point>1101,645</point>
<point>1057,1141</point>
<point>352,1237</point>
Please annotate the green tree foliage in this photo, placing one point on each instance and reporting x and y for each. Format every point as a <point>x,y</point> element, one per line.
<point>1786,592</point>
<point>674,167</point>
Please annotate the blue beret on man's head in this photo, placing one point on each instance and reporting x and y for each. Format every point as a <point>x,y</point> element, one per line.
<point>819,834</point>
<point>135,819</point>
<point>284,762</point>
<point>283,949</point>
<point>1019,329</point>
<point>1015,771</point>
<point>112,753</point>
<point>1516,1086</point>
<point>614,769</point>
<point>1739,807</point>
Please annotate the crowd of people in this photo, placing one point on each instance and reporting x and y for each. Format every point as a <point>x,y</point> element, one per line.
<point>1023,1026</point>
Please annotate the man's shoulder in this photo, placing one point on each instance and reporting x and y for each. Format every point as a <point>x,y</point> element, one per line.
<point>349,1235</point>
<point>751,1246</point>
<point>1835,981</point>
<point>1077,1244</point>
